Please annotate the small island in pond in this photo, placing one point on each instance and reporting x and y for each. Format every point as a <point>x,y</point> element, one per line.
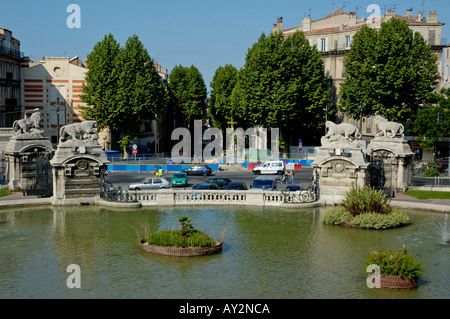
<point>184,242</point>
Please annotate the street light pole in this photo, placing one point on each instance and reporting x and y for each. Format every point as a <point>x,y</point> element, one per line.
<point>57,119</point>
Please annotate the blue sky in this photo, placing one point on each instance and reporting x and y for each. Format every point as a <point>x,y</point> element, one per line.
<point>204,33</point>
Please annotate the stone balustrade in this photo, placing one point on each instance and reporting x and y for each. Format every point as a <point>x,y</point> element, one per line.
<point>211,197</point>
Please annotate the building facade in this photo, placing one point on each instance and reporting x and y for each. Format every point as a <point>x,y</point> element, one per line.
<point>333,36</point>
<point>52,85</point>
<point>10,78</point>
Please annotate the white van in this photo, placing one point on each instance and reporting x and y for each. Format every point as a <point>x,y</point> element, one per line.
<point>271,167</point>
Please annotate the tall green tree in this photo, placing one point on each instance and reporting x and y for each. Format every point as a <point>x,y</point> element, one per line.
<point>433,122</point>
<point>141,94</point>
<point>220,106</point>
<point>101,82</point>
<point>123,89</point>
<point>390,71</point>
<point>188,94</point>
<point>282,85</point>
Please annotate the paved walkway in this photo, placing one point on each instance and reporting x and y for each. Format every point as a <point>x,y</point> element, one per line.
<point>405,201</point>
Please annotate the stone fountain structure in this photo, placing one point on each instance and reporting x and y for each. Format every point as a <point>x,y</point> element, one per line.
<point>340,163</point>
<point>78,165</point>
<point>25,148</point>
<point>390,147</point>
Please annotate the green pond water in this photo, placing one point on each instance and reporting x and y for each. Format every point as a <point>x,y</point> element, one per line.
<point>268,253</point>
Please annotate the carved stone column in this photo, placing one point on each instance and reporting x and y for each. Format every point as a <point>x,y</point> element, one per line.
<point>340,163</point>
<point>390,147</point>
<point>21,152</point>
<point>77,165</point>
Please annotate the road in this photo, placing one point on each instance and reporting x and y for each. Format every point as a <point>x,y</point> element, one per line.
<point>302,177</point>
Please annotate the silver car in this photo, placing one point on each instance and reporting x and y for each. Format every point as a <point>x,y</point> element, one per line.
<point>150,183</point>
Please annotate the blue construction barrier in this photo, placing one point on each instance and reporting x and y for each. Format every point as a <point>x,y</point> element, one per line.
<point>143,168</point>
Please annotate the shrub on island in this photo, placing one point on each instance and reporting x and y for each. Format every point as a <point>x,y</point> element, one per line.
<point>396,269</point>
<point>186,241</point>
<point>366,208</point>
<point>187,236</point>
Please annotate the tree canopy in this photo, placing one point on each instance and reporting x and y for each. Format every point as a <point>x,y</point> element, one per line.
<point>123,89</point>
<point>220,105</point>
<point>282,85</point>
<point>433,122</point>
<point>188,94</point>
<point>390,71</point>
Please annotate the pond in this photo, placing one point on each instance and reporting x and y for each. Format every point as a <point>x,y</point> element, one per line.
<point>268,253</point>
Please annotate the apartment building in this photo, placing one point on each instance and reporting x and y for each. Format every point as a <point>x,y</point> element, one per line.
<point>333,36</point>
<point>10,59</point>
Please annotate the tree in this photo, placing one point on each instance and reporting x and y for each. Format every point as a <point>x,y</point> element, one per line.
<point>187,94</point>
<point>101,82</point>
<point>141,94</point>
<point>220,105</point>
<point>123,89</point>
<point>433,122</point>
<point>390,71</point>
<point>282,85</point>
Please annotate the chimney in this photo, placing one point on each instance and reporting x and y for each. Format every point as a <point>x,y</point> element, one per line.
<point>306,23</point>
<point>419,17</point>
<point>352,18</point>
<point>279,26</point>
<point>409,12</point>
<point>432,17</point>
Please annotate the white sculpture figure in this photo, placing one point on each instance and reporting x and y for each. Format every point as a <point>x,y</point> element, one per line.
<point>344,129</point>
<point>84,131</point>
<point>28,125</point>
<point>343,133</point>
<point>387,128</point>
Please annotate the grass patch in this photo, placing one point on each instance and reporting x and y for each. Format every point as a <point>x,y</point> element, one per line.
<point>187,236</point>
<point>428,194</point>
<point>5,192</point>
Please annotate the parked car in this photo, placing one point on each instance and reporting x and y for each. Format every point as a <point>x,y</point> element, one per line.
<point>222,182</point>
<point>198,170</point>
<point>293,188</point>
<point>179,179</point>
<point>206,186</point>
<point>150,183</point>
<point>268,183</point>
<point>271,167</point>
<point>236,186</point>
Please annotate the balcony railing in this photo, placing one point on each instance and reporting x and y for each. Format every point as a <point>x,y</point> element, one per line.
<point>9,51</point>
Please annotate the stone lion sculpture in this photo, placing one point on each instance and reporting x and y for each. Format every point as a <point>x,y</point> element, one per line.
<point>79,131</point>
<point>344,129</point>
<point>28,125</point>
<point>387,128</point>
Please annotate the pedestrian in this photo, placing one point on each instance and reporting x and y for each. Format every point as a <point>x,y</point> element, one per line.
<point>155,173</point>
<point>291,177</point>
<point>160,172</point>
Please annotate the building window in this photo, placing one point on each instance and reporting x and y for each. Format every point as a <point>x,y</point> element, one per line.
<point>323,44</point>
<point>348,41</point>
<point>369,123</point>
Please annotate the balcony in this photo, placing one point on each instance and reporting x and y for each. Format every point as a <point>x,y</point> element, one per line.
<point>11,52</point>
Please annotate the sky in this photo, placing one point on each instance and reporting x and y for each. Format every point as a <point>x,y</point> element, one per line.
<point>204,33</point>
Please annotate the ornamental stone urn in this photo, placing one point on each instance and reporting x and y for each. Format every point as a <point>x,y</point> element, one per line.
<point>78,165</point>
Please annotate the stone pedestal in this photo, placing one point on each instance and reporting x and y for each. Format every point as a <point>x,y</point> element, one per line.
<point>396,155</point>
<point>21,153</point>
<point>77,168</point>
<point>340,165</point>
